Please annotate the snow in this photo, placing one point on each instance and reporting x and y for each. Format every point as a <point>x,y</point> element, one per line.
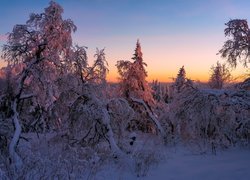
<point>182,164</point>
<point>176,162</point>
<point>231,164</point>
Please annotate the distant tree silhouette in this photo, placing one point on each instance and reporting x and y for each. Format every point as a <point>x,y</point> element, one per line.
<point>219,75</point>
<point>237,47</point>
<point>180,80</point>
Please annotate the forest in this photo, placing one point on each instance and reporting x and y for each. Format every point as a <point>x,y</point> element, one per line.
<point>61,119</point>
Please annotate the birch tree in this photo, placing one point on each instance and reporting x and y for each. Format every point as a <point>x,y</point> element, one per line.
<point>236,49</point>
<point>42,45</point>
<point>219,76</point>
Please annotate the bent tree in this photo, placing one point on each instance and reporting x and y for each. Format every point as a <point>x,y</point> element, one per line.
<point>41,44</point>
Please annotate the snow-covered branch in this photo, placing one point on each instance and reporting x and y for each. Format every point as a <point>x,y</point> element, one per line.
<point>27,96</point>
<point>151,115</point>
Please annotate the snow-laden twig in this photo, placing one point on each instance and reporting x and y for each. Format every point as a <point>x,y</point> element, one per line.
<point>27,96</point>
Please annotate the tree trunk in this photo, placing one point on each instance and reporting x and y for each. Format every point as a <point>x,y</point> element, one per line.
<point>15,159</point>
<point>110,135</point>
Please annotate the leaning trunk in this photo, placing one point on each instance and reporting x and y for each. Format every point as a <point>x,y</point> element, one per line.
<point>110,135</point>
<point>153,119</point>
<point>15,158</point>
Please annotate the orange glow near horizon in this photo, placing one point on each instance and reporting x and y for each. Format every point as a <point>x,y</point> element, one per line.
<point>165,74</point>
<point>164,56</point>
<point>168,76</point>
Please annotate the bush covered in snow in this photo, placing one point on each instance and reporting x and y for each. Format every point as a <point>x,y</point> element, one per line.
<point>216,117</point>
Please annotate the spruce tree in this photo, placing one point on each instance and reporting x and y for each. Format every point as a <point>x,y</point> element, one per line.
<point>133,77</point>
<point>180,79</point>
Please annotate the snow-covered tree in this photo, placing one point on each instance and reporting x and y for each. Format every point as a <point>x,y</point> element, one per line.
<point>180,80</point>
<point>97,73</point>
<point>160,91</point>
<point>90,121</point>
<point>236,48</point>
<point>42,45</point>
<point>138,92</point>
<point>218,118</point>
<point>79,62</point>
<point>133,77</point>
<point>220,74</point>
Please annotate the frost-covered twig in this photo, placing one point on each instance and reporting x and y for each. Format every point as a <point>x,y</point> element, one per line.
<point>27,96</point>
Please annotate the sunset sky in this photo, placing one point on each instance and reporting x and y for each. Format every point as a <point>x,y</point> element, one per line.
<point>172,33</point>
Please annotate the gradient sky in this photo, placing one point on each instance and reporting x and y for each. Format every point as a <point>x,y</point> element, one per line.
<point>172,32</point>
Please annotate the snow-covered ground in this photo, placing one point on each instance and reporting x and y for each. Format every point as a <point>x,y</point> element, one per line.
<point>180,164</point>
<point>231,164</point>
